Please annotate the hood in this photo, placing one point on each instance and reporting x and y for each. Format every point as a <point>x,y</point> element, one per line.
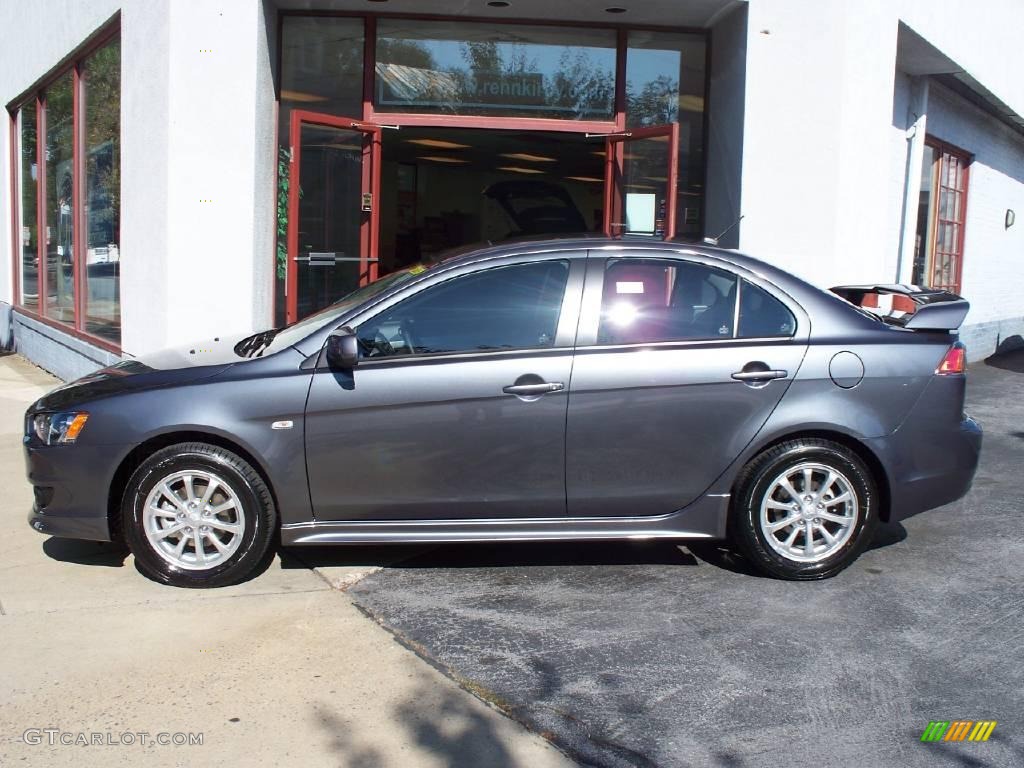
<point>176,365</point>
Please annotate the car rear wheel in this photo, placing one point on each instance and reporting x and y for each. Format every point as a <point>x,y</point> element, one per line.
<point>804,509</point>
<point>196,515</point>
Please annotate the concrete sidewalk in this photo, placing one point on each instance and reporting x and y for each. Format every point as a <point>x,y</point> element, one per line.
<point>282,669</point>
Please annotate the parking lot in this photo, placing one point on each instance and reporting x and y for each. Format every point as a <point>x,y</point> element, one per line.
<point>618,654</point>
<point>636,654</point>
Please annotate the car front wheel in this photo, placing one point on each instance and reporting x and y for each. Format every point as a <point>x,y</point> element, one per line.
<point>804,509</point>
<point>196,515</point>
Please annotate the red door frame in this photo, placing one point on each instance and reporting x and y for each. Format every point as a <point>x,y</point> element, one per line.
<point>369,227</point>
<point>614,165</point>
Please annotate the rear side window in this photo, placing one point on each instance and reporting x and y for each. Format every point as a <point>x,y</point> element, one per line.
<point>762,315</point>
<point>515,307</point>
<point>647,300</point>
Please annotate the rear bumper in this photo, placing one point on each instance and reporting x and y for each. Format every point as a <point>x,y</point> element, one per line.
<point>929,465</point>
<point>71,484</point>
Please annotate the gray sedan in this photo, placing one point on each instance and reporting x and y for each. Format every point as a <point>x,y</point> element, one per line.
<point>572,389</point>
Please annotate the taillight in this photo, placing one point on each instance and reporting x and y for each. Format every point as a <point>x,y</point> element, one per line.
<point>955,361</point>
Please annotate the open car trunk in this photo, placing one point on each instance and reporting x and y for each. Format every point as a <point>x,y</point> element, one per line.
<point>908,306</point>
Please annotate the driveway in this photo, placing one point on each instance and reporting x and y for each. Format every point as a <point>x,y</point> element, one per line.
<point>639,655</point>
<point>281,670</point>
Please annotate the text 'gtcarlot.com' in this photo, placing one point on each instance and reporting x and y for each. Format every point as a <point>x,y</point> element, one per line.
<point>53,737</point>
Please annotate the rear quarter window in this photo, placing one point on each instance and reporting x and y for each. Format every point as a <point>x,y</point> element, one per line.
<point>762,315</point>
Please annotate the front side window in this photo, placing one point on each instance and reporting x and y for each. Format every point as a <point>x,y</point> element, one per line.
<point>515,307</point>
<point>647,301</point>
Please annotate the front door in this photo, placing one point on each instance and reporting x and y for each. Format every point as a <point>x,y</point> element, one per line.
<point>457,407</point>
<point>641,181</point>
<point>679,364</point>
<point>333,196</point>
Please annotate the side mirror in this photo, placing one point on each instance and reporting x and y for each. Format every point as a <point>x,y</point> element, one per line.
<point>342,348</point>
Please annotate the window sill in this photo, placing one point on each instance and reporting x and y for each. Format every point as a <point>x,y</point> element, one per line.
<point>84,336</point>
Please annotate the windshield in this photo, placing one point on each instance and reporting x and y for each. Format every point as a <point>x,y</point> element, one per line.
<point>291,334</point>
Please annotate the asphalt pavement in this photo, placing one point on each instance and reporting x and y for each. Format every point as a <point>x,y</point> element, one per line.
<point>628,654</point>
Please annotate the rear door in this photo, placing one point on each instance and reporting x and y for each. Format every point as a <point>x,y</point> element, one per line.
<point>679,363</point>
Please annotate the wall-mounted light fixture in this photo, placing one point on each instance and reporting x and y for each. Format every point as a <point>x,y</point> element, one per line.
<point>1011,217</point>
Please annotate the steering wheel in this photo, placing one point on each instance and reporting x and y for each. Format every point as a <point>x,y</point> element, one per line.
<point>381,347</point>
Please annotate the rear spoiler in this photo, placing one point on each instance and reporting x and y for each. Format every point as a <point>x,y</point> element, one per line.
<point>908,306</point>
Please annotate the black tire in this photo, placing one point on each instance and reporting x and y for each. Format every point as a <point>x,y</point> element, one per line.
<point>756,481</point>
<point>259,521</point>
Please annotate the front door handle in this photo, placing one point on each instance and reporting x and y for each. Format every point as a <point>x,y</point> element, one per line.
<point>542,388</point>
<point>766,375</point>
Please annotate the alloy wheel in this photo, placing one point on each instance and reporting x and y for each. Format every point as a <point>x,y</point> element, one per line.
<point>193,520</point>
<point>809,512</point>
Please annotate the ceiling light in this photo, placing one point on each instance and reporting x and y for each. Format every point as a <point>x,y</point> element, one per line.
<point>640,186</point>
<point>437,143</point>
<point>442,159</point>
<point>528,158</point>
<point>517,169</point>
<point>499,4</point>
<point>615,9</point>
<point>300,96</point>
<point>586,178</point>
<point>656,178</point>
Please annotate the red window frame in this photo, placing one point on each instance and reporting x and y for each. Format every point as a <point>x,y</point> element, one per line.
<point>36,95</point>
<point>952,176</point>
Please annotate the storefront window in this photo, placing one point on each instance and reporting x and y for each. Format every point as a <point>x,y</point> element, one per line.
<point>665,80</point>
<point>102,97</point>
<point>28,183</point>
<point>60,175</point>
<point>322,65</point>
<point>507,70</point>
<point>69,200</point>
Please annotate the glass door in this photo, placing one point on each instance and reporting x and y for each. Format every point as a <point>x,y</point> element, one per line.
<point>641,182</point>
<point>333,191</point>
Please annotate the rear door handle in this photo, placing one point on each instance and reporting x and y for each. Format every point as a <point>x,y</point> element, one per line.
<point>533,389</point>
<point>759,375</point>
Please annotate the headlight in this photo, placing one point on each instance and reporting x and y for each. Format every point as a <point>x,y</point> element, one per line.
<point>54,428</point>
